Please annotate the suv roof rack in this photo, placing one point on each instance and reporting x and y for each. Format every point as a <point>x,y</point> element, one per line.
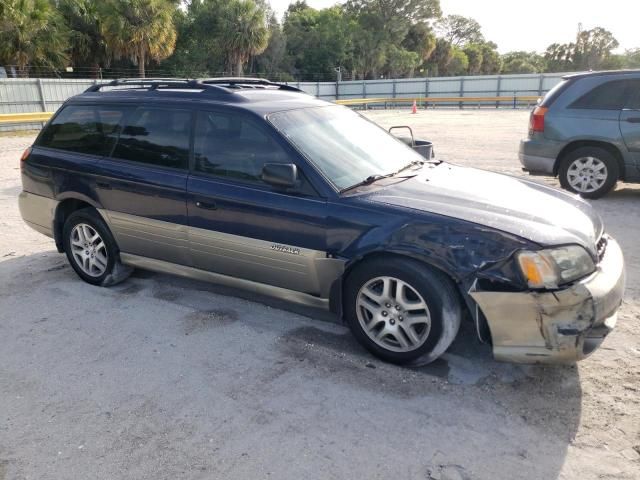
<point>219,85</point>
<point>161,83</point>
<point>248,82</point>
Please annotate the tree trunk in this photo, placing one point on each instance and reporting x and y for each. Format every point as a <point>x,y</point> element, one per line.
<point>239,67</point>
<point>141,60</point>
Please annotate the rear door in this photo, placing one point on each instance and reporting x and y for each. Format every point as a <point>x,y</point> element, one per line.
<point>142,184</point>
<point>630,118</point>
<point>242,227</point>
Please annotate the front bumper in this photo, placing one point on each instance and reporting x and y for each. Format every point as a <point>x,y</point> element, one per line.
<point>560,326</point>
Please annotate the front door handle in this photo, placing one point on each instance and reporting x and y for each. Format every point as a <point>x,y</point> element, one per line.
<point>206,205</point>
<point>103,185</point>
<point>633,119</point>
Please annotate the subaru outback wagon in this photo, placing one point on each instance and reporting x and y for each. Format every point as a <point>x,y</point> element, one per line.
<point>586,131</point>
<point>257,185</point>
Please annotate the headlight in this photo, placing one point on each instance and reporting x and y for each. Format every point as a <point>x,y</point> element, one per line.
<point>556,266</point>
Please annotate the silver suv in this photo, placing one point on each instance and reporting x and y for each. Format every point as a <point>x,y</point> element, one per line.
<point>586,131</point>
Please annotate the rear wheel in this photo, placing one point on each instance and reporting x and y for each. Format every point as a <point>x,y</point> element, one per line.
<point>589,171</point>
<point>401,310</point>
<point>92,250</point>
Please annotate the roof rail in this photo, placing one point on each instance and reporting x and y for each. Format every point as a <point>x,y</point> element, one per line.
<point>247,82</point>
<point>156,83</point>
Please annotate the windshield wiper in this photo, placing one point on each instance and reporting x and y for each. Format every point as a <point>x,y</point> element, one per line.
<point>368,181</point>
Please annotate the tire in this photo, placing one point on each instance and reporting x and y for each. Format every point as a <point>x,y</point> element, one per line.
<point>399,341</point>
<point>91,249</point>
<point>590,172</point>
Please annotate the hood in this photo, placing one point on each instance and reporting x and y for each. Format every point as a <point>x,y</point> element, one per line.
<point>521,207</point>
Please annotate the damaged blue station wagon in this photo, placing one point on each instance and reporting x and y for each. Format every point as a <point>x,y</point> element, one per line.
<point>259,186</point>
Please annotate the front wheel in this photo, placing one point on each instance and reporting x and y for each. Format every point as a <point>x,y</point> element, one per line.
<point>590,172</point>
<point>401,310</point>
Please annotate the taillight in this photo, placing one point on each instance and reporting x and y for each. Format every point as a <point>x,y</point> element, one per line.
<point>24,156</point>
<point>536,123</point>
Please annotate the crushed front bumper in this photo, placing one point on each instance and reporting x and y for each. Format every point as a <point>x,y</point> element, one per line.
<point>560,326</point>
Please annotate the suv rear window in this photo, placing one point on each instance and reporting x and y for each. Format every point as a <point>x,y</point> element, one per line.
<point>156,136</point>
<point>608,96</point>
<point>83,129</point>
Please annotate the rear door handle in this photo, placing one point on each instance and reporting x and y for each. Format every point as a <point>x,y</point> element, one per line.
<point>206,205</point>
<point>103,185</point>
<point>633,119</point>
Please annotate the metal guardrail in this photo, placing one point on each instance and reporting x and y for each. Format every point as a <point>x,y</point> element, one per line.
<point>35,117</point>
<point>425,101</point>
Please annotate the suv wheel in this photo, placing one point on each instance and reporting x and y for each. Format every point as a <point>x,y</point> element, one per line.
<point>589,171</point>
<point>92,250</point>
<point>401,310</point>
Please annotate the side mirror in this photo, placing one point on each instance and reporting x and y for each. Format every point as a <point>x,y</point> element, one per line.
<point>283,175</point>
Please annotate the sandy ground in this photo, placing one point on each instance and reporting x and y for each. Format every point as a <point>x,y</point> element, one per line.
<point>164,378</point>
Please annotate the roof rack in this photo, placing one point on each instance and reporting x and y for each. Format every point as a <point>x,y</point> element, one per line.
<point>248,82</point>
<point>161,83</point>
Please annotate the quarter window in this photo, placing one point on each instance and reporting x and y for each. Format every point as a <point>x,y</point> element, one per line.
<point>608,96</point>
<point>156,136</point>
<point>234,146</point>
<point>83,129</point>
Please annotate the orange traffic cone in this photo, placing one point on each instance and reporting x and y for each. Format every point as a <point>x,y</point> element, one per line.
<point>414,108</point>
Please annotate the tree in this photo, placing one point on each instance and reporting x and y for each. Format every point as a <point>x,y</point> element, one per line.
<point>523,62</point>
<point>87,44</point>
<point>459,30</point>
<point>274,61</point>
<point>420,39</point>
<point>491,61</point>
<point>139,30</point>
<point>458,63</point>
<point>473,52</point>
<point>32,32</point>
<point>243,33</point>
<point>592,48</point>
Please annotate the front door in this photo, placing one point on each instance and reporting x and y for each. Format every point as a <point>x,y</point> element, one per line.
<point>242,227</point>
<point>142,185</point>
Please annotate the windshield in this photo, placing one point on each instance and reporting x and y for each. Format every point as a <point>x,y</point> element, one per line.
<point>346,147</point>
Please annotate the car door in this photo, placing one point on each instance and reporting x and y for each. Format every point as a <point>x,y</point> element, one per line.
<point>142,184</point>
<point>242,227</point>
<point>630,119</point>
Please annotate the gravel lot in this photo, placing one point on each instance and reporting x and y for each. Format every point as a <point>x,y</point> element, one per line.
<point>165,378</point>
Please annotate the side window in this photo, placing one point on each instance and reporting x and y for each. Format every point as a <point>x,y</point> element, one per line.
<point>84,129</point>
<point>633,101</point>
<point>234,146</point>
<point>608,96</point>
<point>156,136</point>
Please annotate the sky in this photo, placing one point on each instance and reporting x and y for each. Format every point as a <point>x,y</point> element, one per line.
<point>527,25</point>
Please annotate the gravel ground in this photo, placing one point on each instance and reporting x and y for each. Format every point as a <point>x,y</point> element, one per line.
<point>165,378</point>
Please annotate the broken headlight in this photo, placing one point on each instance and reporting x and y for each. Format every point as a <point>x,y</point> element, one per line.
<point>555,266</point>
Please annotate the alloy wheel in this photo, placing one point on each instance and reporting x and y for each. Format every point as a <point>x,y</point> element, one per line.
<point>89,250</point>
<point>393,314</point>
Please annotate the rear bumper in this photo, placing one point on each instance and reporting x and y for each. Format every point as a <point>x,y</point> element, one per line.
<point>38,212</point>
<point>562,326</point>
<point>538,156</point>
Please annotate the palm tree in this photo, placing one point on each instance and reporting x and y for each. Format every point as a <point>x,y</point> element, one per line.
<point>87,44</point>
<point>139,30</point>
<point>31,33</point>
<point>244,33</point>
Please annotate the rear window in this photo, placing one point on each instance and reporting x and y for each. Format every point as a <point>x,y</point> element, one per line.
<point>84,129</point>
<point>156,136</point>
<point>554,93</point>
<point>608,96</point>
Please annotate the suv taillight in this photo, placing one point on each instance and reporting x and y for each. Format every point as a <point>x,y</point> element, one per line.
<point>536,122</point>
<point>24,157</point>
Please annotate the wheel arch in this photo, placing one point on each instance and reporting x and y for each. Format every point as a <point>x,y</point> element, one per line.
<point>66,206</point>
<point>574,145</point>
<point>336,297</point>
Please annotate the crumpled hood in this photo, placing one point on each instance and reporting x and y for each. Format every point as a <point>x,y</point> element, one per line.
<point>536,212</point>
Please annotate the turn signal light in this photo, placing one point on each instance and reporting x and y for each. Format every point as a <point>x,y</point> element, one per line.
<point>536,122</point>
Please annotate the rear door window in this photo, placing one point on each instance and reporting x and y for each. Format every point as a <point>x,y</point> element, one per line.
<point>608,96</point>
<point>633,101</point>
<point>156,136</point>
<point>84,129</point>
